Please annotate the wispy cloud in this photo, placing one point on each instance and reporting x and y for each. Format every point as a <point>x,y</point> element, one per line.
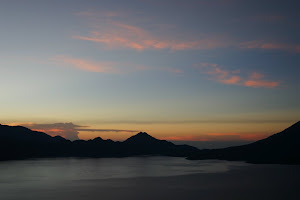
<point>119,29</point>
<point>256,80</point>
<point>115,33</point>
<point>138,39</point>
<point>66,130</point>
<point>260,44</point>
<point>108,67</point>
<point>221,75</point>
<point>86,65</point>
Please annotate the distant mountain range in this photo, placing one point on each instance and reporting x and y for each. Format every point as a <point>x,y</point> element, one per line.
<point>280,148</point>
<point>17,142</point>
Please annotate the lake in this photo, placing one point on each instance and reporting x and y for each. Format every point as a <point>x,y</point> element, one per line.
<point>131,178</point>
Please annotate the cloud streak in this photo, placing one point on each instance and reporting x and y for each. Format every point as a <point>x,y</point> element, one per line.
<point>67,130</point>
<point>256,80</point>
<point>85,65</point>
<point>108,67</point>
<point>112,29</point>
<point>115,34</point>
<point>133,41</point>
<point>260,44</point>
<point>221,75</point>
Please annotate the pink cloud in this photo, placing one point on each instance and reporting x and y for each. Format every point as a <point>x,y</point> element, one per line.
<point>259,83</point>
<point>232,80</point>
<point>86,65</point>
<point>255,80</point>
<point>259,44</point>
<point>220,75</point>
<point>120,35</point>
<point>106,30</point>
<point>108,67</point>
<point>217,73</point>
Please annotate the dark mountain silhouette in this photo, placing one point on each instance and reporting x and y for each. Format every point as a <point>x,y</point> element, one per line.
<point>17,142</point>
<point>281,148</point>
<point>146,144</point>
<point>141,138</point>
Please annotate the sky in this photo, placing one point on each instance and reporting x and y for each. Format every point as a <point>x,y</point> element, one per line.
<point>193,70</point>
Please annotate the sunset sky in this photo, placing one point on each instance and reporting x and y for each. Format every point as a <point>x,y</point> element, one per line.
<point>193,70</point>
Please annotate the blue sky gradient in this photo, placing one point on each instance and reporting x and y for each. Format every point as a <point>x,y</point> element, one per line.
<point>181,70</point>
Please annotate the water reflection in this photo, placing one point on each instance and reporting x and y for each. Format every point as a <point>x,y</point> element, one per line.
<point>104,168</point>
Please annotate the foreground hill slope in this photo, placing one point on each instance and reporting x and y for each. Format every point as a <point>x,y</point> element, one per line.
<point>17,142</point>
<point>283,147</point>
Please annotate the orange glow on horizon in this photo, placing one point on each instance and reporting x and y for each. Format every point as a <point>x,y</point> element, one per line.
<point>178,132</point>
<point>217,137</point>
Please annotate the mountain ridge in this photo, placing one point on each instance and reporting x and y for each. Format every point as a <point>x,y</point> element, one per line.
<point>17,142</point>
<point>280,148</point>
<point>20,143</point>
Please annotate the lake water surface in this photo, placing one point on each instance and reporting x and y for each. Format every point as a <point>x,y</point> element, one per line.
<point>104,168</point>
<point>145,178</point>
